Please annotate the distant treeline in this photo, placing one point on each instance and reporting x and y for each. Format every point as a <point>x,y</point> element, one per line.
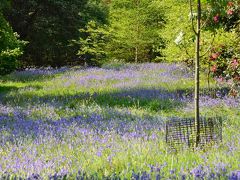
<point>77,32</point>
<point>48,26</point>
<point>63,32</point>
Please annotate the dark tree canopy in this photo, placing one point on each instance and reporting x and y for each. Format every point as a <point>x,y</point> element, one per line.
<point>50,25</point>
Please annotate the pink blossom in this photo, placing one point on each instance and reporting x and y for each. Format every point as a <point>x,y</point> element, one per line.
<point>214,68</point>
<point>220,79</point>
<point>235,63</point>
<point>216,18</point>
<point>214,56</point>
<point>230,12</point>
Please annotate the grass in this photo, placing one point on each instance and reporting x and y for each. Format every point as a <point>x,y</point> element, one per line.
<point>109,123</point>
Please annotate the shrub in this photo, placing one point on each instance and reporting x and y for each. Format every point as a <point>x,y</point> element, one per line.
<point>224,14</point>
<point>225,66</point>
<point>10,47</point>
<point>224,58</point>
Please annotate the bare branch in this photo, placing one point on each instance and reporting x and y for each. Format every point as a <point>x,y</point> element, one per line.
<point>214,35</point>
<point>186,50</point>
<point>208,18</point>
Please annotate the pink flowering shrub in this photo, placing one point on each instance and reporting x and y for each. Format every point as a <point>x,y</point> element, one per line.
<point>222,14</point>
<point>224,61</point>
<point>225,66</point>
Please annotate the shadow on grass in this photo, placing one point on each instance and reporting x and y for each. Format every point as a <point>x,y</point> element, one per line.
<point>33,75</point>
<point>6,88</point>
<point>24,78</point>
<point>150,99</point>
<point>18,125</point>
<point>153,100</point>
<point>140,98</point>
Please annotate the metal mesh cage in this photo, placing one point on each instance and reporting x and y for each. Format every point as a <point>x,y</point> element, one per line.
<point>182,132</point>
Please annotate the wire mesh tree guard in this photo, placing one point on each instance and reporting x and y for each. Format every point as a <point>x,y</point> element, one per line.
<point>182,132</point>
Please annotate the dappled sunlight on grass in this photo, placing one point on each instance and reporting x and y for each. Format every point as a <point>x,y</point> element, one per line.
<point>109,122</point>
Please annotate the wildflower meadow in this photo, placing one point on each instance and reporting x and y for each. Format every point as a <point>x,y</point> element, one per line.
<point>120,90</point>
<point>109,123</point>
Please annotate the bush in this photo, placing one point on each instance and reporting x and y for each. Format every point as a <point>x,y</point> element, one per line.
<point>10,48</point>
<point>225,66</point>
<point>222,15</point>
<point>224,58</point>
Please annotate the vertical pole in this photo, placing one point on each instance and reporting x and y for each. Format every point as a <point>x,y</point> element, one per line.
<point>197,64</point>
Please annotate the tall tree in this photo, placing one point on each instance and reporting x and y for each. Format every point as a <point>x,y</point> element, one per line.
<point>136,25</point>
<point>197,71</point>
<point>49,26</point>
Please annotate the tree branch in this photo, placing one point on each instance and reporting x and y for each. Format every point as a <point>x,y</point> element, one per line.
<point>191,11</point>
<point>214,35</point>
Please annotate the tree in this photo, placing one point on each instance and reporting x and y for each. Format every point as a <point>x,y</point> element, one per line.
<point>197,70</point>
<point>49,26</point>
<point>92,44</point>
<point>10,46</point>
<point>177,32</point>
<point>197,32</point>
<point>137,26</point>
<point>4,4</point>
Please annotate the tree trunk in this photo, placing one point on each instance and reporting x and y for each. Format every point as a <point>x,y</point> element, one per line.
<point>136,54</point>
<point>197,83</point>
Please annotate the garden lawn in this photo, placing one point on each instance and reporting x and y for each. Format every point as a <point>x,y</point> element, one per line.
<point>109,123</point>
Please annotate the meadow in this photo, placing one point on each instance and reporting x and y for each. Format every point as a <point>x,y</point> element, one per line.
<point>109,123</point>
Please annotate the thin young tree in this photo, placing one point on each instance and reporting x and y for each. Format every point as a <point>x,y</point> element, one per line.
<point>197,32</point>
<point>197,81</point>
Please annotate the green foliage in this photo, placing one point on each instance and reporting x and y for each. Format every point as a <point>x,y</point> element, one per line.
<point>123,30</point>
<point>136,27</point>
<point>222,14</point>
<point>10,47</point>
<point>4,4</point>
<point>50,25</point>
<point>224,64</point>
<point>92,43</point>
<point>178,32</point>
<point>224,58</point>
